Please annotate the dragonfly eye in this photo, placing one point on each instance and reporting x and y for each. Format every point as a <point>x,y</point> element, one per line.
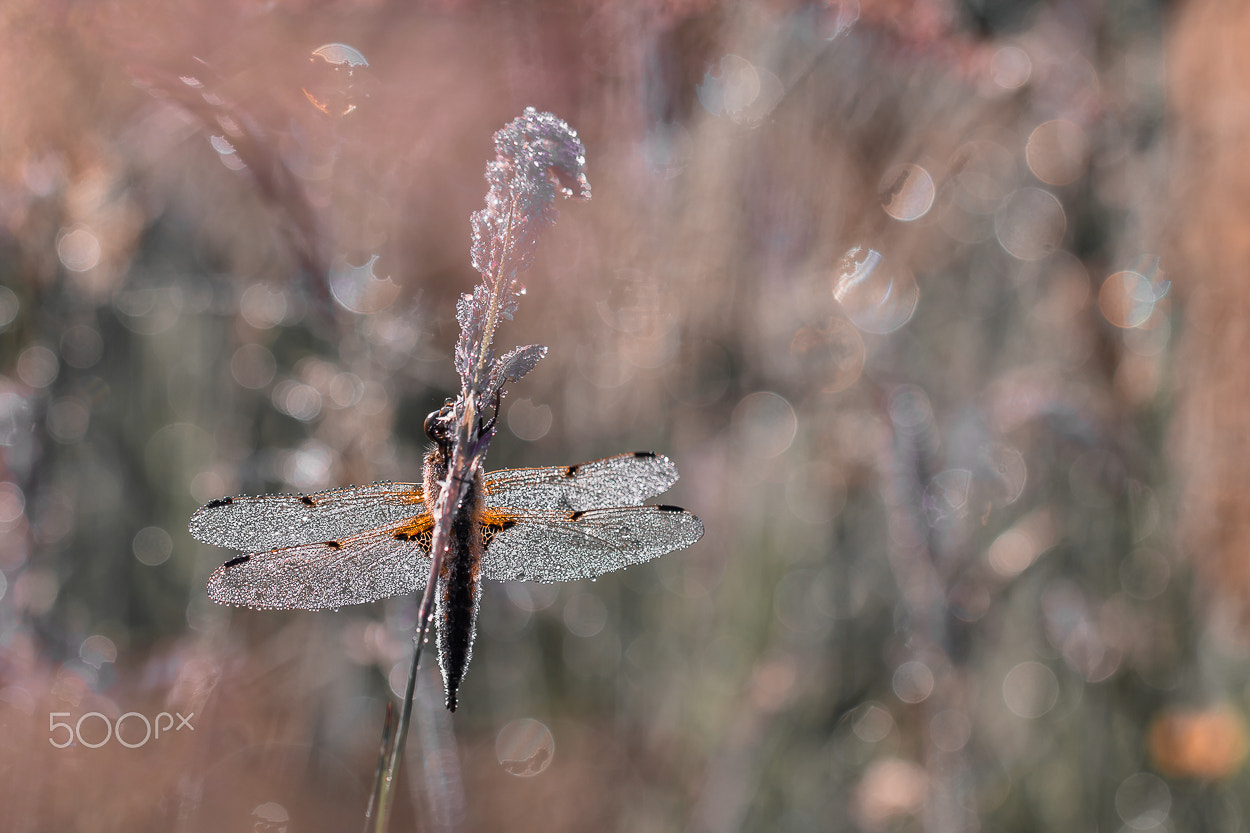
<point>431,426</point>
<point>436,425</point>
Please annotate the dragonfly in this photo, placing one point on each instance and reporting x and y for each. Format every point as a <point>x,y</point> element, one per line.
<point>359,544</point>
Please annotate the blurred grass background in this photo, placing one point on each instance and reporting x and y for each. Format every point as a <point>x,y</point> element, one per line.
<point>892,282</point>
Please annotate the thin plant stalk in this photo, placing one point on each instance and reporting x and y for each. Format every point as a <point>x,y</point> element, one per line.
<point>385,787</point>
<point>384,755</point>
<point>535,155</point>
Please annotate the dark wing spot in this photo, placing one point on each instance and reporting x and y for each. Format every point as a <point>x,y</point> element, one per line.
<point>334,545</point>
<point>642,455</point>
<point>571,471</point>
<point>575,516</point>
<point>668,507</point>
<point>221,501</point>
<point>307,501</point>
<point>239,559</point>
<point>404,536</point>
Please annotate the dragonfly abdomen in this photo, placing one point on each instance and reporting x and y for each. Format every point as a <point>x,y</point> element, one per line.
<point>459,582</point>
<point>460,591</point>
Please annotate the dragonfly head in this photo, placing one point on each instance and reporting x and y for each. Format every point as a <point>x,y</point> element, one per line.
<point>438,426</point>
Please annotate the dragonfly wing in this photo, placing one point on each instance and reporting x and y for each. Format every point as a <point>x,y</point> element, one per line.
<point>329,574</point>
<point>623,480</point>
<point>562,546</point>
<point>266,522</point>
